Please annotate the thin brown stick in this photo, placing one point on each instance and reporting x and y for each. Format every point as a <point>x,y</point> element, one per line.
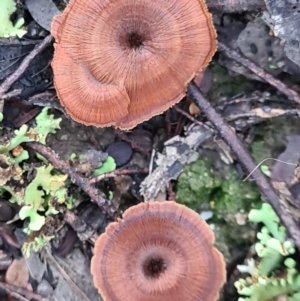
<point>245,159</point>
<point>12,94</point>
<point>4,87</point>
<point>279,85</point>
<point>10,288</point>
<point>18,296</point>
<point>95,195</point>
<point>193,119</point>
<point>117,172</point>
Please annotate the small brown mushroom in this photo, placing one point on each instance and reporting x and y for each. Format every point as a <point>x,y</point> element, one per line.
<point>158,251</point>
<point>120,62</point>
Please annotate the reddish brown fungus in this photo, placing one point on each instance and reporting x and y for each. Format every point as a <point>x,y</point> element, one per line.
<point>158,251</point>
<point>120,62</point>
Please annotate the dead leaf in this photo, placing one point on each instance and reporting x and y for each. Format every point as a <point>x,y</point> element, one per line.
<point>18,274</point>
<point>241,218</point>
<point>259,112</point>
<point>42,11</point>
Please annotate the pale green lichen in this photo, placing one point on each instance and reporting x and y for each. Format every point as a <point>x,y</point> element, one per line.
<point>44,185</point>
<point>7,29</point>
<point>21,136</point>
<point>272,223</point>
<point>108,165</point>
<point>46,124</point>
<point>36,244</point>
<point>266,288</point>
<point>47,187</point>
<point>275,273</point>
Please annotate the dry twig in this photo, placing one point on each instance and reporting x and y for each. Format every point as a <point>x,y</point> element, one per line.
<point>18,296</point>
<point>10,289</point>
<point>95,195</point>
<point>245,159</point>
<point>4,87</point>
<point>117,172</point>
<point>279,85</point>
<point>122,135</point>
<point>193,119</point>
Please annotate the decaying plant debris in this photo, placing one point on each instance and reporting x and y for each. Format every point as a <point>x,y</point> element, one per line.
<point>62,183</point>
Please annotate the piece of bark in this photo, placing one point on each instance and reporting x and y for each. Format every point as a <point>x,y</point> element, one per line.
<point>286,19</point>
<point>178,151</point>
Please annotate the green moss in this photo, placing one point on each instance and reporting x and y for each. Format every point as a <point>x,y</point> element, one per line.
<point>196,184</point>
<point>225,85</point>
<point>199,187</point>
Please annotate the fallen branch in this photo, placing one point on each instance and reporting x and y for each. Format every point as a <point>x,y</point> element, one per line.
<point>95,195</point>
<point>245,159</point>
<point>279,85</point>
<point>4,87</point>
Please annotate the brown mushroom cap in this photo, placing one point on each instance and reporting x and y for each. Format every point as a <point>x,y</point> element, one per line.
<point>159,251</point>
<point>119,62</point>
<point>75,83</point>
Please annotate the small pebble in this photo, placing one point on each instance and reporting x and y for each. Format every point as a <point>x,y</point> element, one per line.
<point>6,212</point>
<point>206,215</point>
<point>93,216</point>
<point>44,288</point>
<point>9,237</point>
<point>66,244</point>
<point>121,151</point>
